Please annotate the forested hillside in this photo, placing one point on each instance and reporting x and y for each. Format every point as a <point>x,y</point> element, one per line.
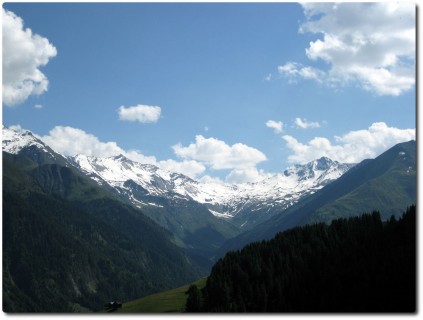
<point>67,246</point>
<point>357,265</point>
<point>386,183</point>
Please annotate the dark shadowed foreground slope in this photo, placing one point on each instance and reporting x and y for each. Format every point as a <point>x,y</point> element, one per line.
<point>69,246</point>
<point>357,265</point>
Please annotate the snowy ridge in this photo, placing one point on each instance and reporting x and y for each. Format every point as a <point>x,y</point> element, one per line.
<point>14,141</point>
<point>147,185</point>
<point>223,200</point>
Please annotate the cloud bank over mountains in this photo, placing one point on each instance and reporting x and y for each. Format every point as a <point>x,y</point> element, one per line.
<point>370,45</point>
<point>210,154</point>
<point>219,155</point>
<point>351,147</point>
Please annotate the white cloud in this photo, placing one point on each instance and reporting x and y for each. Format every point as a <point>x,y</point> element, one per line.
<point>196,157</point>
<point>72,141</point>
<point>219,155</point>
<point>277,126</point>
<point>136,155</point>
<point>351,147</point>
<point>369,44</point>
<point>295,71</point>
<point>205,154</point>
<point>16,127</point>
<point>141,113</point>
<point>251,174</point>
<point>189,168</point>
<point>38,106</point>
<point>23,54</point>
<point>209,179</point>
<point>304,124</point>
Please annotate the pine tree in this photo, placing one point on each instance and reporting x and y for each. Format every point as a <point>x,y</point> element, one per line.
<point>194,301</point>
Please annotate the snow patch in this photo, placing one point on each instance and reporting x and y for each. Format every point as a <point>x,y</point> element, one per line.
<point>220,215</point>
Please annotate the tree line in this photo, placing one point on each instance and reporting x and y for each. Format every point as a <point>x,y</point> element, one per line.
<point>360,264</point>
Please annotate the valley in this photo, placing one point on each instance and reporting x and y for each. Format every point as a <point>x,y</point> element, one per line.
<point>209,157</point>
<point>151,230</point>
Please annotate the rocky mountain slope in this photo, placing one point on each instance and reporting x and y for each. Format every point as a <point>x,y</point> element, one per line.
<point>201,217</point>
<point>144,185</point>
<point>242,204</point>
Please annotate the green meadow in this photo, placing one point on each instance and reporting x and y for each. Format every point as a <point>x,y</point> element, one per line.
<point>163,302</point>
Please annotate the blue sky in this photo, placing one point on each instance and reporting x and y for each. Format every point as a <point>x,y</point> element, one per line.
<point>230,91</point>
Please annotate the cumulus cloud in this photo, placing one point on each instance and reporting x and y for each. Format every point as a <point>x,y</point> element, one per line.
<point>369,44</point>
<point>219,155</point>
<point>23,54</point>
<point>189,168</point>
<point>197,158</point>
<point>136,155</point>
<point>251,174</point>
<point>277,126</point>
<point>351,147</point>
<point>295,71</point>
<point>72,141</point>
<point>304,124</point>
<point>17,128</point>
<point>140,113</point>
<point>209,179</point>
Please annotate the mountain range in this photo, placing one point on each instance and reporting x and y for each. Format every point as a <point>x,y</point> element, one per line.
<point>387,183</point>
<point>127,220</point>
<point>146,185</point>
<point>243,204</point>
<point>201,216</point>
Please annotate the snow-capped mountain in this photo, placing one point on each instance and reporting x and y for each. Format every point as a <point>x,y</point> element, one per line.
<point>24,141</point>
<point>147,185</point>
<point>14,141</point>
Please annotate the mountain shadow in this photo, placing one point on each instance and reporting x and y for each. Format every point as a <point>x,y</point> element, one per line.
<point>68,246</point>
<point>387,183</point>
<point>360,264</point>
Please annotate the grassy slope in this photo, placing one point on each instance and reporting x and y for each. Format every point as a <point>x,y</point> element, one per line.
<point>389,193</point>
<point>164,302</point>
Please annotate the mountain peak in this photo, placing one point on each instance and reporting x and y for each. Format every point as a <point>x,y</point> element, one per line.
<point>20,141</point>
<point>323,163</point>
<point>119,157</point>
<point>13,141</point>
<point>272,194</point>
